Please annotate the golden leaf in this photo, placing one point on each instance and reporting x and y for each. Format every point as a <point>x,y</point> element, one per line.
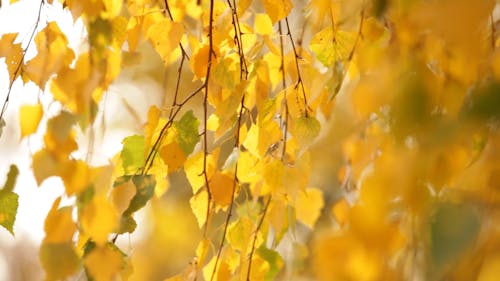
<point>59,226</point>
<point>13,54</point>
<point>53,55</point>
<point>103,263</point>
<point>263,24</point>
<point>277,9</point>
<point>99,219</point>
<point>29,117</point>
<point>221,185</point>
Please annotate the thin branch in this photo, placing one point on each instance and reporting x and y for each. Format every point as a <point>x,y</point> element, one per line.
<point>243,75</point>
<point>259,226</point>
<point>493,31</point>
<point>21,60</point>
<point>167,7</point>
<point>299,78</point>
<point>205,113</point>
<point>283,82</point>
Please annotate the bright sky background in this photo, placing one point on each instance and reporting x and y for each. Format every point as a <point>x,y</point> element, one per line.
<point>34,201</point>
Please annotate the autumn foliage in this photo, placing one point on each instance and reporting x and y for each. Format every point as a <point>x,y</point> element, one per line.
<point>295,140</point>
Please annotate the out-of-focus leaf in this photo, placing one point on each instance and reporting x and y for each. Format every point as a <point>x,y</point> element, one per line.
<point>187,128</point>
<point>130,200</point>
<point>453,229</point>
<point>59,226</point>
<point>308,206</point>
<point>277,9</point>
<point>53,53</point>
<point>132,153</point>
<point>59,260</point>
<point>274,260</point>
<point>99,218</point>
<point>103,263</point>
<point>8,209</point>
<point>484,103</point>
<point>2,124</point>
<point>145,188</point>
<point>10,182</point>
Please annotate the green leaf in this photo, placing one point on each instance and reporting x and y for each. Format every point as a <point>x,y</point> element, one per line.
<point>145,188</point>
<point>274,260</point>
<point>187,129</point>
<point>483,104</point>
<point>127,224</point>
<point>8,209</point>
<point>132,153</point>
<point>11,178</point>
<point>145,185</point>
<point>453,229</point>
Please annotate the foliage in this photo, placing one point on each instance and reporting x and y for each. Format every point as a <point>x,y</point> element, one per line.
<point>336,140</point>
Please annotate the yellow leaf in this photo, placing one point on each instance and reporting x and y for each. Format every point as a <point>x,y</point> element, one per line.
<point>277,9</point>
<point>306,129</point>
<point>261,137</point>
<point>194,168</point>
<point>263,24</point>
<point>59,226</point>
<point>150,128</point>
<point>44,166</point>
<point>160,172</point>
<point>165,37</point>
<point>199,204</point>
<point>221,186</point>
<point>259,269</point>
<point>122,194</point>
<point>173,155</point>
<point>103,263</point>
<point>53,54</point>
<point>13,54</point>
<point>222,272</point>
<point>308,206</point>
<point>340,211</point>
<point>112,8</point>
<point>199,61</point>
<point>202,251</point>
<point>99,219</point>
<point>73,87</point>
<point>331,45</point>
<point>29,117</point>
<point>76,176</point>
<point>240,235</point>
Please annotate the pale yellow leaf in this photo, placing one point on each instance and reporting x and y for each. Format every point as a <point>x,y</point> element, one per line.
<point>308,206</point>
<point>199,204</point>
